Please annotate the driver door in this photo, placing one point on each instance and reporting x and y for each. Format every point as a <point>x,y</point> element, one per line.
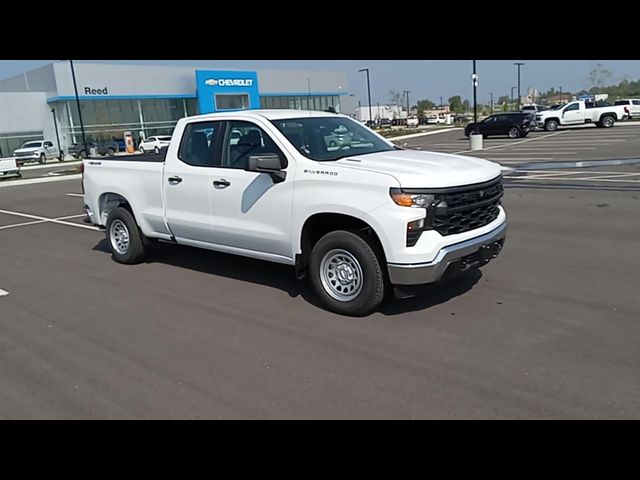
<point>251,213</point>
<point>572,114</point>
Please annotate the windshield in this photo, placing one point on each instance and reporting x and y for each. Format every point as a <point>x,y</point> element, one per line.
<point>32,145</point>
<point>330,138</point>
<point>556,107</point>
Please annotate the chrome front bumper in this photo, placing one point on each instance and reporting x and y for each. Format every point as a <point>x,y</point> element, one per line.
<point>460,256</point>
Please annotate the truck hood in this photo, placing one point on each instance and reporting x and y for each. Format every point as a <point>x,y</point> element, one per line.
<point>418,169</point>
<point>27,150</point>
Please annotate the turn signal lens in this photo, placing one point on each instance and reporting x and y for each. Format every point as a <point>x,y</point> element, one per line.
<point>411,200</point>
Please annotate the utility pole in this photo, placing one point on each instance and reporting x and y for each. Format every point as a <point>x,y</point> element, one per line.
<point>561,95</point>
<point>407,92</point>
<point>491,103</point>
<point>512,105</point>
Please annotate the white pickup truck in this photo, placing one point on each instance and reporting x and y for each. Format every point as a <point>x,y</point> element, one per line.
<point>578,113</point>
<point>9,168</point>
<point>39,151</point>
<point>360,219</point>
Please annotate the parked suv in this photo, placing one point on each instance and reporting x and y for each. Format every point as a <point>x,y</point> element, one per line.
<point>78,150</point>
<point>154,144</point>
<point>513,125</point>
<point>38,151</point>
<point>632,104</point>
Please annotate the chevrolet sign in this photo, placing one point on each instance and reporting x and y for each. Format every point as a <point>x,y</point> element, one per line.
<point>229,82</point>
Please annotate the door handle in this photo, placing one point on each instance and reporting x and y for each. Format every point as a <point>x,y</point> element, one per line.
<point>222,183</point>
<point>174,180</point>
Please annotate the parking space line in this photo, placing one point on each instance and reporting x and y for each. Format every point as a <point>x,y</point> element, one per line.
<point>50,220</point>
<point>35,222</point>
<point>3,293</point>
<point>74,195</point>
<point>518,143</point>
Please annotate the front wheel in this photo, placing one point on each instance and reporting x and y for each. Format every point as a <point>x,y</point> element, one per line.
<point>551,125</point>
<point>346,273</point>
<point>124,237</point>
<point>607,122</point>
<point>43,159</point>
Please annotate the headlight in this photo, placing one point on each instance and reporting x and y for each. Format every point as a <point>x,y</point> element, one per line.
<point>416,200</point>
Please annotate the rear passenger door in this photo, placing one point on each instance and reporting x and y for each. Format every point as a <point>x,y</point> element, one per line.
<point>187,183</point>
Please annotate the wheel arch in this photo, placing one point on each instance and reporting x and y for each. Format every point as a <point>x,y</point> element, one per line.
<point>319,224</point>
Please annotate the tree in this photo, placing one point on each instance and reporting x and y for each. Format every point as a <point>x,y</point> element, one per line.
<point>465,106</point>
<point>396,97</point>
<point>423,105</point>
<point>505,107</point>
<point>455,104</point>
<point>598,76</point>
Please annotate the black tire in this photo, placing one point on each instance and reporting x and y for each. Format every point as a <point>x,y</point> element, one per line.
<point>513,132</point>
<point>43,159</point>
<point>83,154</point>
<point>551,126</point>
<point>333,143</point>
<point>111,152</point>
<point>135,251</point>
<point>372,285</point>
<point>156,150</point>
<point>607,121</point>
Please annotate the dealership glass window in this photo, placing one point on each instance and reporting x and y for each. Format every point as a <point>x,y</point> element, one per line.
<point>192,106</point>
<point>313,102</point>
<point>231,101</point>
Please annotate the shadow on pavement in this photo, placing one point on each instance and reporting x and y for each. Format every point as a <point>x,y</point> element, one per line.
<point>282,277</point>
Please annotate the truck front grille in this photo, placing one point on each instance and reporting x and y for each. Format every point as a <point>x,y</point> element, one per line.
<point>462,209</point>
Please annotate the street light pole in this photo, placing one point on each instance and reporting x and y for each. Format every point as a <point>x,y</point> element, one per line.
<point>440,102</point>
<point>474,77</point>
<point>491,103</point>
<point>519,64</point>
<point>55,126</point>
<point>512,96</point>
<point>560,94</point>
<point>368,93</point>
<point>75,87</point>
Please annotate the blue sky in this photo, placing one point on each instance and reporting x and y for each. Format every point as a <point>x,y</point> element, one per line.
<point>424,78</point>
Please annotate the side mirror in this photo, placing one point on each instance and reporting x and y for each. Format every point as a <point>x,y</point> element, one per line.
<point>268,163</point>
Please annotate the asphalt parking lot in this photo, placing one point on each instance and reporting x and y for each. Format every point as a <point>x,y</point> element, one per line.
<point>547,158</point>
<point>548,330</point>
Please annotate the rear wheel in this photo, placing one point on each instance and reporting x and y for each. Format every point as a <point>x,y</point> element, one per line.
<point>83,154</point>
<point>124,237</point>
<point>346,273</point>
<point>513,132</point>
<point>607,122</point>
<point>550,125</point>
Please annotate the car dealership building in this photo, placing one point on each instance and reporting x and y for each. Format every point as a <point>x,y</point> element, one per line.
<point>147,100</point>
